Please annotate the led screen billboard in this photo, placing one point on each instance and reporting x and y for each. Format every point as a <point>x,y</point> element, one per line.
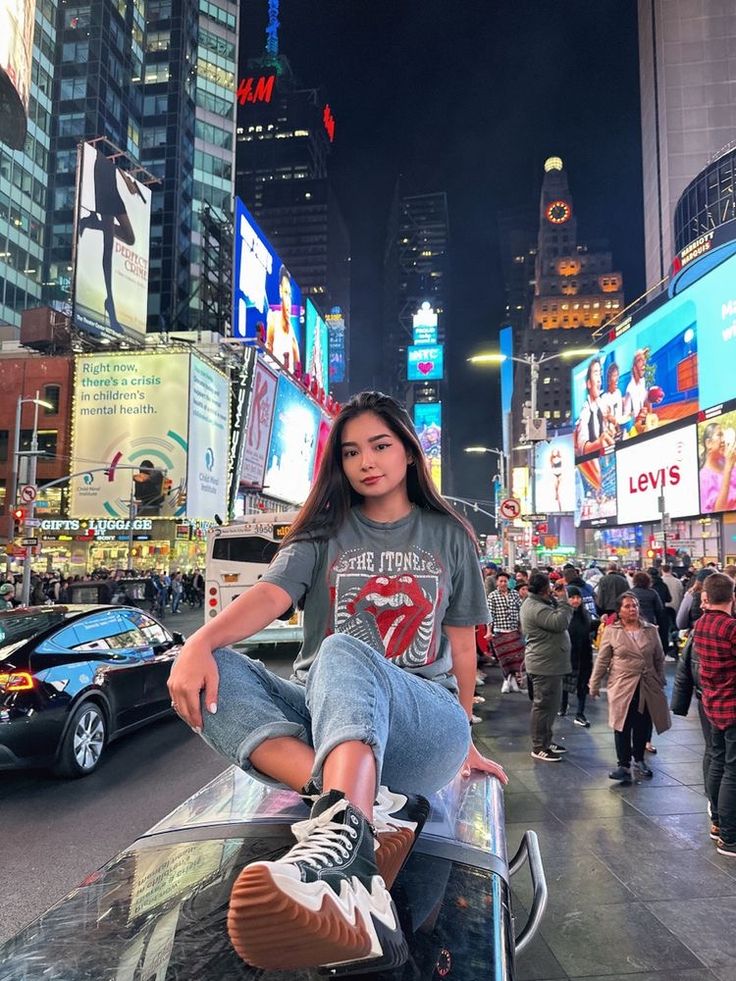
<point>425,363</point>
<point>16,51</point>
<point>595,491</point>
<point>645,379</point>
<point>110,294</point>
<point>425,325</point>
<point>337,357</point>
<point>664,465</point>
<point>258,426</point>
<point>317,352</point>
<point>266,300</point>
<point>293,444</point>
<point>428,424</point>
<point>554,475</point>
<point>717,461</point>
<point>151,412</point>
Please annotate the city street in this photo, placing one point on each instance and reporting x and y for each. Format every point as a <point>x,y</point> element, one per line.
<point>58,831</point>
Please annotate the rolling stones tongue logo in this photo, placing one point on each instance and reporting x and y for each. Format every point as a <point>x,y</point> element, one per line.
<point>398,605</point>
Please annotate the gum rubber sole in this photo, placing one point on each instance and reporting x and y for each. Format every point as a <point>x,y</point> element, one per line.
<point>270,930</point>
<point>394,847</point>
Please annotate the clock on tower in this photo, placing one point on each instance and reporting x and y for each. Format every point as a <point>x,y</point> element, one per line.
<point>558,212</point>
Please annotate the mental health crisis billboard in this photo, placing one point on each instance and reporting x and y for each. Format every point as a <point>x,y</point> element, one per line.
<point>166,416</point>
<point>112,239</point>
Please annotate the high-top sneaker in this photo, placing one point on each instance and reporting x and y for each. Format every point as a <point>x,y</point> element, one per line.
<point>322,904</point>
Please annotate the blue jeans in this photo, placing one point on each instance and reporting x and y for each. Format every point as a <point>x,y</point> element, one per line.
<point>417,729</point>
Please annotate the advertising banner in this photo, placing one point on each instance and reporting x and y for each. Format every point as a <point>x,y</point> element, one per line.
<point>428,424</point>
<point>714,296</point>
<point>521,488</point>
<point>425,363</point>
<point>293,444</point>
<point>111,249</point>
<point>554,476</point>
<point>317,354</point>
<point>16,52</point>
<point>595,491</point>
<point>717,462</point>
<point>424,323</point>
<point>209,439</point>
<point>130,410</point>
<point>266,300</point>
<point>665,465</point>
<point>258,426</point>
<point>336,331</point>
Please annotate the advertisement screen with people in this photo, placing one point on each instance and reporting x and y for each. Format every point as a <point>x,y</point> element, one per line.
<point>110,295</point>
<point>595,491</point>
<point>428,424</point>
<point>16,51</point>
<point>661,466</point>
<point>258,426</point>
<point>293,444</point>
<point>317,353</point>
<point>554,475</point>
<point>267,302</point>
<point>717,461</point>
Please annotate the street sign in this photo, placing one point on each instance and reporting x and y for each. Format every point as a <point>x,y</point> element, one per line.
<point>534,517</point>
<point>510,508</point>
<point>33,522</point>
<point>515,532</point>
<point>28,493</point>
<point>29,542</point>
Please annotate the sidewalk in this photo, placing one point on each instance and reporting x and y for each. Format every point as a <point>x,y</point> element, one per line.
<point>636,887</point>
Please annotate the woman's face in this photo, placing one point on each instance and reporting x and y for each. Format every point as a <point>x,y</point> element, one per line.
<point>374,459</point>
<point>629,609</point>
<point>716,442</point>
<point>575,601</point>
<point>613,380</point>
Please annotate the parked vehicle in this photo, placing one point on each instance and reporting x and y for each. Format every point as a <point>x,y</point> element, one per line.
<point>73,678</point>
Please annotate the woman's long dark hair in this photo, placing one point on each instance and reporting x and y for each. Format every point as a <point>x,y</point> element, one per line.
<point>707,434</point>
<point>331,497</point>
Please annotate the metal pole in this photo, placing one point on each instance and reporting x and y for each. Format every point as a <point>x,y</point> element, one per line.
<point>131,516</point>
<point>26,587</point>
<point>534,365</point>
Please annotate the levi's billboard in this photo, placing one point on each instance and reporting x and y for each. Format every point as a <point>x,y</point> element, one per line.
<point>663,465</point>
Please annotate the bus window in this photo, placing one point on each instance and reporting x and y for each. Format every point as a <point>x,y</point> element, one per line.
<point>244,549</point>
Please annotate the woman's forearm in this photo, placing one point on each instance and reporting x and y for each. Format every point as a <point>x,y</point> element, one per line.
<point>464,667</point>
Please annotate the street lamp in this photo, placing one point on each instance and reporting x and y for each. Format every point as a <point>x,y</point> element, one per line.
<point>501,460</point>
<point>33,455</point>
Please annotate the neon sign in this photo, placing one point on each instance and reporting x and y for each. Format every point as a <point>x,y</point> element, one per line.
<point>329,120</point>
<point>255,89</point>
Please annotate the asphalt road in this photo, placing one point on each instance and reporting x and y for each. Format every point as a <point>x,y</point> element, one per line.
<point>55,832</point>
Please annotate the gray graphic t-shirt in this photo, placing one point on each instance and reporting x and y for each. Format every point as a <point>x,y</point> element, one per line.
<point>376,581</point>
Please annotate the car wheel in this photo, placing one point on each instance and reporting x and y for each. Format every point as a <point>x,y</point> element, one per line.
<point>84,742</point>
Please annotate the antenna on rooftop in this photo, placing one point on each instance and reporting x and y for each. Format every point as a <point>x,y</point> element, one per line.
<point>272,31</point>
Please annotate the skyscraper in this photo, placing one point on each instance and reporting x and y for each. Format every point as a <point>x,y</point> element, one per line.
<point>688,110</point>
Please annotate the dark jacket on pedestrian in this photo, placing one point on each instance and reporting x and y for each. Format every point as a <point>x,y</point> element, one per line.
<point>581,632</point>
<point>651,607</point>
<point>544,624</point>
<point>609,589</point>
<point>687,680</point>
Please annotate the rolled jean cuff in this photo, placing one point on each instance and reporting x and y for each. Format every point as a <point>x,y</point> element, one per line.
<point>273,730</point>
<point>347,734</point>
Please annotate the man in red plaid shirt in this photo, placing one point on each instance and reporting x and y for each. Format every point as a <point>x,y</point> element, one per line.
<point>715,645</point>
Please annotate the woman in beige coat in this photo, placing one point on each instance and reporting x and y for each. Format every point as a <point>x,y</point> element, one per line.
<point>631,655</point>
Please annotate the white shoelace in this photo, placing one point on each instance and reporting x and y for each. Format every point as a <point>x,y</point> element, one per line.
<point>320,840</point>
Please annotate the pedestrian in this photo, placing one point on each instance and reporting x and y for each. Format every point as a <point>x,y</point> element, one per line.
<point>7,594</point>
<point>198,587</point>
<point>177,591</point>
<point>685,685</point>
<point>388,577</point>
<point>714,639</point>
<point>632,658</point>
<point>670,608</point>
<point>503,632</point>
<point>690,610</point>
<point>581,630</point>
<point>544,622</point>
<point>609,588</point>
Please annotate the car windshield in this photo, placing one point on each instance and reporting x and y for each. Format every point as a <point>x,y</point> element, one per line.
<point>18,627</point>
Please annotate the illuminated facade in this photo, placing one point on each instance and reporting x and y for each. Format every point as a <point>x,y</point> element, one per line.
<point>708,201</point>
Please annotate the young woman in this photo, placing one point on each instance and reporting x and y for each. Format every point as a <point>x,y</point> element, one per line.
<point>581,630</point>
<point>631,655</point>
<point>382,693</point>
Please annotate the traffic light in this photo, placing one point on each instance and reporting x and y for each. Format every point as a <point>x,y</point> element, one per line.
<point>19,519</point>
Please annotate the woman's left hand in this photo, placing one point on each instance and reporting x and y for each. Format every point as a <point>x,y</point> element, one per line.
<point>475,761</point>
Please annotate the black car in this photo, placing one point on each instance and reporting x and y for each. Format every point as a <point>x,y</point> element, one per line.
<point>73,678</point>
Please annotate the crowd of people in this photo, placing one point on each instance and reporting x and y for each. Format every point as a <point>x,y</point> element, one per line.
<point>545,625</point>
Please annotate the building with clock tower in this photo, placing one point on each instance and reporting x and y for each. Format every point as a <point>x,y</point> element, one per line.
<point>576,291</point>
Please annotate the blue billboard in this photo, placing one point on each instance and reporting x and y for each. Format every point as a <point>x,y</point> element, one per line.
<point>317,352</point>
<point>293,444</point>
<point>428,424</point>
<point>425,363</point>
<point>267,303</point>
<point>336,331</point>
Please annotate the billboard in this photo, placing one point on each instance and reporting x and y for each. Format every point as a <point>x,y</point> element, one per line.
<point>595,491</point>
<point>110,292</point>
<point>16,51</point>
<point>554,475</point>
<point>317,353</point>
<point>425,363</point>
<point>337,356</point>
<point>717,461</point>
<point>424,325</point>
<point>428,424</point>
<point>167,416</point>
<point>293,444</point>
<point>664,465</point>
<point>267,303</point>
<point>258,426</point>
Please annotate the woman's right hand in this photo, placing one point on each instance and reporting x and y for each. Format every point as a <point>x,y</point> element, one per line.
<point>194,671</point>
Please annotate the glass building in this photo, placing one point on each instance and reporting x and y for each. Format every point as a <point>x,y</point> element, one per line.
<point>24,179</point>
<point>708,200</point>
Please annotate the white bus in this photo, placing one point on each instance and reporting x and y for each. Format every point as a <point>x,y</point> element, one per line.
<point>237,556</point>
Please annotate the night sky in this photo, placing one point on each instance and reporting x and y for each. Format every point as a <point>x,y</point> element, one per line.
<point>470,97</point>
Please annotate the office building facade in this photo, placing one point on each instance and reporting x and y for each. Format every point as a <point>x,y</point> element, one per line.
<point>688,110</point>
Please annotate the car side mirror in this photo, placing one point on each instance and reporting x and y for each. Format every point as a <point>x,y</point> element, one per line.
<point>177,637</point>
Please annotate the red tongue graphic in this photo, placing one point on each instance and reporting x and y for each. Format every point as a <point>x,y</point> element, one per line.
<point>405,619</point>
